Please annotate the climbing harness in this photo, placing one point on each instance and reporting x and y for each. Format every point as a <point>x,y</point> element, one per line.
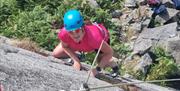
<point>104,34</point>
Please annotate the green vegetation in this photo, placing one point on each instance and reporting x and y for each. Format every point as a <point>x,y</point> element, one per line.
<point>34,25</point>
<point>164,67</point>
<point>120,48</point>
<point>129,68</point>
<point>109,5</point>
<point>37,20</point>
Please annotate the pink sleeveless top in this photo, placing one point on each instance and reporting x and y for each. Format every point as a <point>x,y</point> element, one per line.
<point>91,40</point>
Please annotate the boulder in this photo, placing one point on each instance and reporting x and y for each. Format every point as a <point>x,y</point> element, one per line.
<point>144,63</point>
<point>173,46</point>
<point>160,36</point>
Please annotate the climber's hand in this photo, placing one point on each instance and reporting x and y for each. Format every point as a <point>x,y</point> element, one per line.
<point>77,65</point>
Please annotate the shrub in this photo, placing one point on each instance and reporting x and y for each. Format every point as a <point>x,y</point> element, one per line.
<point>119,47</point>
<point>35,25</point>
<point>7,8</point>
<point>164,68</point>
<point>109,5</point>
<point>35,20</point>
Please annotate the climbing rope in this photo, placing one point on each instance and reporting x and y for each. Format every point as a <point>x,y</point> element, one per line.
<point>132,83</point>
<point>84,86</point>
<point>94,61</point>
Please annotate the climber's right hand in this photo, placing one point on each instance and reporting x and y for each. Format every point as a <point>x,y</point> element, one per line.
<point>77,65</point>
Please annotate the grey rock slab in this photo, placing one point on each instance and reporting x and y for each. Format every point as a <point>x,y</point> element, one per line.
<point>173,46</point>
<point>144,63</point>
<point>160,36</point>
<point>154,36</point>
<point>21,70</point>
<point>150,87</point>
<point>172,12</point>
<point>3,39</point>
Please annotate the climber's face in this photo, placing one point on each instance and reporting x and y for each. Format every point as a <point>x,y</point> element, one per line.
<point>77,35</point>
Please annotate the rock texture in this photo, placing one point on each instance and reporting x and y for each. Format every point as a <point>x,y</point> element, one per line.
<point>165,36</point>
<point>93,3</point>
<point>22,70</point>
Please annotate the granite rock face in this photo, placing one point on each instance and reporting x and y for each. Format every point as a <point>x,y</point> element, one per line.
<point>22,70</point>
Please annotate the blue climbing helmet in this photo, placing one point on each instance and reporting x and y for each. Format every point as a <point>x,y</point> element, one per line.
<point>72,20</point>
